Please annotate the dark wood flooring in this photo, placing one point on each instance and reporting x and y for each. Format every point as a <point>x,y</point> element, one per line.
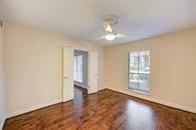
<point>106,110</point>
<point>79,92</point>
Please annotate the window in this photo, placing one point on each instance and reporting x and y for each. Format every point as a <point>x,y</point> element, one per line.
<point>78,68</point>
<point>139,71</point>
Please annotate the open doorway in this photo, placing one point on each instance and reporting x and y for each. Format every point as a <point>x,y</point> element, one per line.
<point>83,74</point>
<point>81,66</point>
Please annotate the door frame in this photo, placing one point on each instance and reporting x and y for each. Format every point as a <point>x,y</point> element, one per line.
<point>87,50</point>
<point>88,78</point>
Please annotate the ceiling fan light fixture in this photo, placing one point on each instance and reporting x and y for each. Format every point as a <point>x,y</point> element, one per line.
<point>110,37</point>
<point>109,34</point>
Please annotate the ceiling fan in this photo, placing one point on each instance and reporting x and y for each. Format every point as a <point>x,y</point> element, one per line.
<point>109,33</point>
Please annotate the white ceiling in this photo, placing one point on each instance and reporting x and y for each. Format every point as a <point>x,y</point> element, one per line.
<point>81,19</point>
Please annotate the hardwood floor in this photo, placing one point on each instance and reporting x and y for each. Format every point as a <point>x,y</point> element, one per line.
<point>106,110</point>
<point>79,92</point>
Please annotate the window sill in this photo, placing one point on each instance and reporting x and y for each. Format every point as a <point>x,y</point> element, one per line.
<point>138,91</point>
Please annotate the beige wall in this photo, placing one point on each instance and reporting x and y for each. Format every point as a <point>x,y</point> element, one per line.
<point>2,105</point>
<point>173,68</point>
<point>2,86</point>
<point>33,60</point>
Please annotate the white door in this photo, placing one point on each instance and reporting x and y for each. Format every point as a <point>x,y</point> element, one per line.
<point>93,72</point>
<point>68,70</point>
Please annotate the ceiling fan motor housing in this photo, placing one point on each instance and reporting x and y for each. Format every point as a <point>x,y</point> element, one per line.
<point>111,19</point>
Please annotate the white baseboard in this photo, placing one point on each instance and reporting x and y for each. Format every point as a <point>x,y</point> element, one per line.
<point>2,123</point>
<point>170,104</point>
<point>99,89</point>
<point>9,115</point>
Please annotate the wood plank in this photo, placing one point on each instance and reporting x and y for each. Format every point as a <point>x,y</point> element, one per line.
<point>106,110</point>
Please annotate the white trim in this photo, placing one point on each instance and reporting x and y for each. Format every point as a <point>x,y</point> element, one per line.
<point>80,84</point>
<point>99,89</point>
<point>166,103</point>
<point>138,91</point>
<point>29,109</point>
<point>81,49</point>
<point>2,123</point>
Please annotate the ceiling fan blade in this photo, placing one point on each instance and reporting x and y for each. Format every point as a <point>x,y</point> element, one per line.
<point>101,37</point>
<point>107,27</point>
<point>119,35</point>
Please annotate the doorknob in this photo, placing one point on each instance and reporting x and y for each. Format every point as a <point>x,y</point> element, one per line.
<point>65,77</point>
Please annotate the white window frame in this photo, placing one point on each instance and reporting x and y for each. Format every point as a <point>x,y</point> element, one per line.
<point>137,89</point>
